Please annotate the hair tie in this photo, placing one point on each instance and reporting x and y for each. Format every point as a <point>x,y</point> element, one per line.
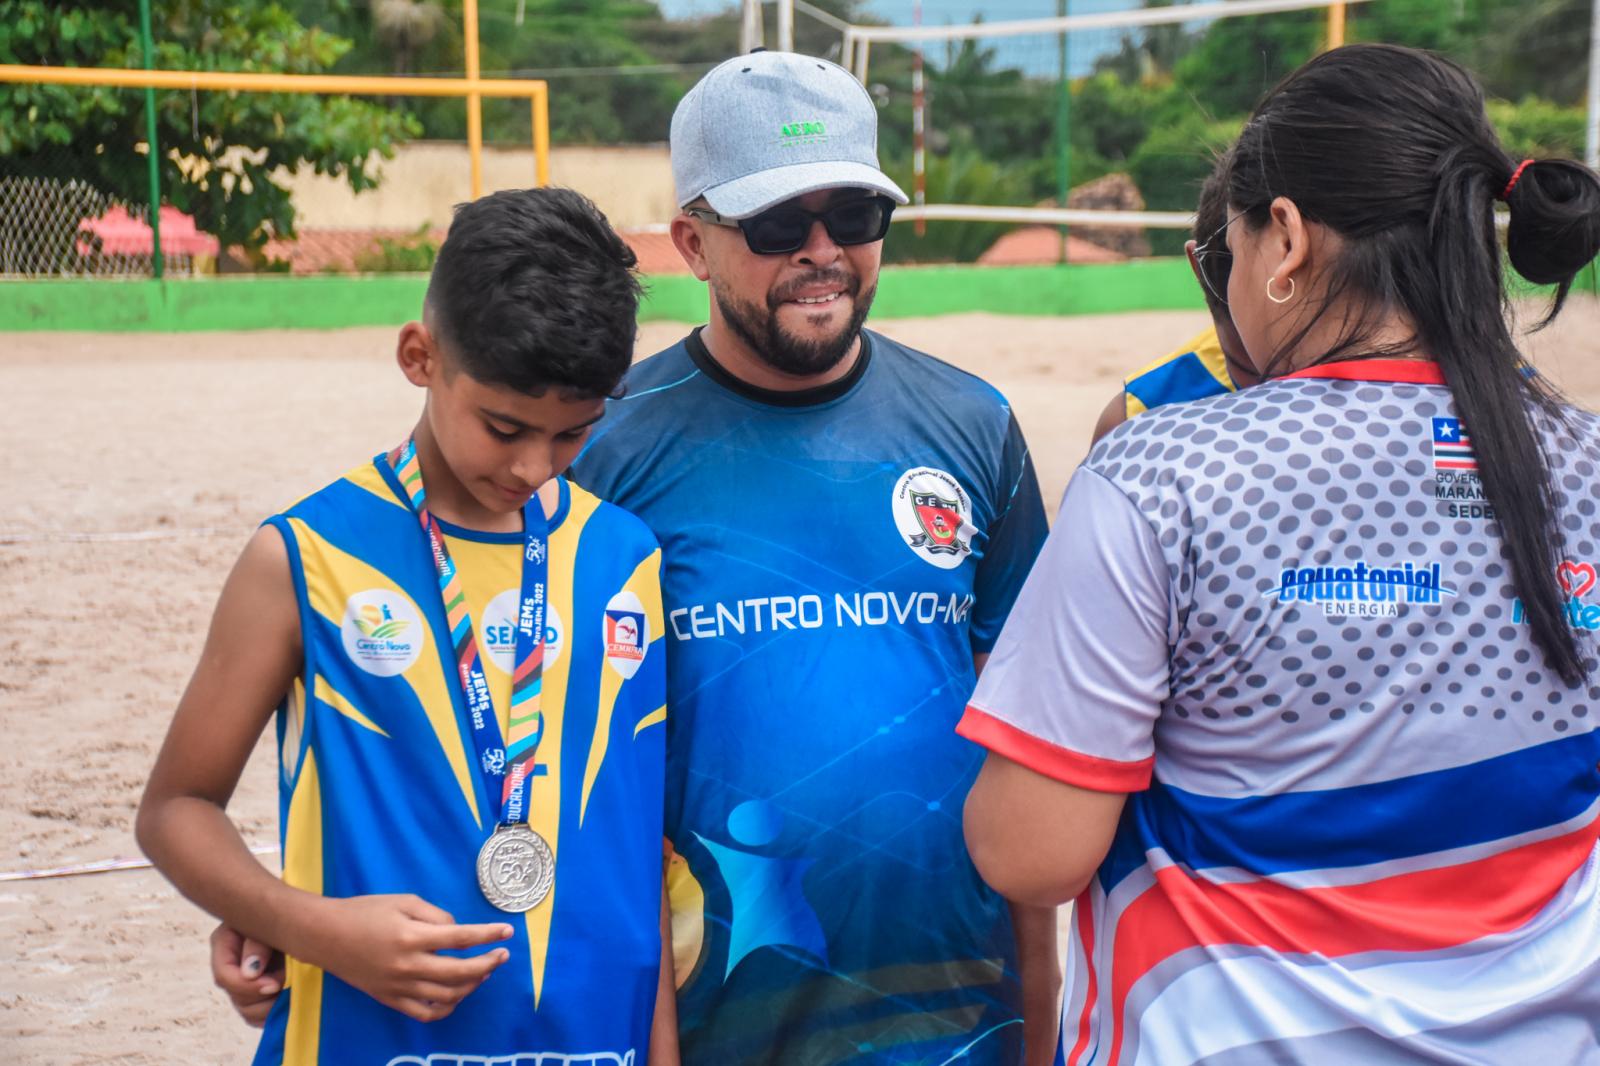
<point>1516,175</point>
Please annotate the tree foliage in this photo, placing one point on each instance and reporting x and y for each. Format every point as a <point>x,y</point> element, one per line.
<point>219,151</point>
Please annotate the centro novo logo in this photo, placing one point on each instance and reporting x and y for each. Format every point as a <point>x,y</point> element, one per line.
<point>382,631</point>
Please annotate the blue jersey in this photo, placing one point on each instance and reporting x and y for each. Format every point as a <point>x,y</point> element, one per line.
<point>381,792</point>
<point>831,562</point>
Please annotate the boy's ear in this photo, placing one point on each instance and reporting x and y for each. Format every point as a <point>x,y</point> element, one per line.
<point>418,354</point>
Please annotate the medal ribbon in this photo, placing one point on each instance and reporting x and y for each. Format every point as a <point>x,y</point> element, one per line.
<point>506,764</point>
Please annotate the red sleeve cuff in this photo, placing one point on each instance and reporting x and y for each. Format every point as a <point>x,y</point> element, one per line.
<point>1062,764</point>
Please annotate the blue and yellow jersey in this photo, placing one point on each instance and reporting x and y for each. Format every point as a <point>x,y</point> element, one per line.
<point>1193,372</point>
<point>379,792</point>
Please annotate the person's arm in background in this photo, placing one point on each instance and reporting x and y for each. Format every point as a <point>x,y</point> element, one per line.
<point>664,1027</point>
<point>1015,537</point>
<point>1114,414</point>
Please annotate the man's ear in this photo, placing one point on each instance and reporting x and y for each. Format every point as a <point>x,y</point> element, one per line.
<point>418,355</point>
<point>690,242</point>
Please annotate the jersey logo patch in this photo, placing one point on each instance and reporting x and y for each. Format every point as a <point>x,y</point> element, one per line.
<point>381,632</point>
<point>627,633</point>
<point>500,631</point>
<point>932,512</point>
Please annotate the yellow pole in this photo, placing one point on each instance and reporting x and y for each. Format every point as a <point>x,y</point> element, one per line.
<point>224,81</point>
<point>541,137</point>
<point>1335,25</point>
<point>469,12</point>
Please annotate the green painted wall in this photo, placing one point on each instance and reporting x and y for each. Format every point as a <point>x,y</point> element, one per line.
<point>330,302</point>
<point>334,301</point>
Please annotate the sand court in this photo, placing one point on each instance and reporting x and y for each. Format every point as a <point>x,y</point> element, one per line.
<point>136,466</point>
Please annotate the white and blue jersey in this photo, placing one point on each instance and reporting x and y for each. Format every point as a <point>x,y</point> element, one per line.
<point>1362,810</point>
<point>832,561</point>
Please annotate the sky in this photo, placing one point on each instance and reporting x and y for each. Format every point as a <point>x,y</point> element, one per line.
<point>1038,55</point>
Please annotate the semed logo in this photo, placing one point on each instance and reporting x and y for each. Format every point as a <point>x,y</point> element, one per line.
<point>932,512</point>
<point>627,633</point>
<point>382,631</point>
<point>500,631</point>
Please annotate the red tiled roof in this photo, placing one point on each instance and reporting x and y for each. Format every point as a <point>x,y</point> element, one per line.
<point>319,251</point>
<point>1034,245</point>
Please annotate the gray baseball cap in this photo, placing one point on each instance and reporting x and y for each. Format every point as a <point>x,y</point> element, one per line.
<point>770,126</point>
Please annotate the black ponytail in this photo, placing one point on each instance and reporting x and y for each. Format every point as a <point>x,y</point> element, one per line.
<point>1391,148</point>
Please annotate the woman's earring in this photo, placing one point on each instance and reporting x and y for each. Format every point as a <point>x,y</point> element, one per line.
<point>1273,280</point>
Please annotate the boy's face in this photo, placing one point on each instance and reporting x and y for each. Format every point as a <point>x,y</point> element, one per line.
<point>499,444</point>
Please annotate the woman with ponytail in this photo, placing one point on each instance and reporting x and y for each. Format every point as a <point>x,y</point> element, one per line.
<point>1300,700</point>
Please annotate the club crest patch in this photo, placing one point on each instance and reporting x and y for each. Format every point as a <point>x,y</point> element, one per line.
<point>934,516</point>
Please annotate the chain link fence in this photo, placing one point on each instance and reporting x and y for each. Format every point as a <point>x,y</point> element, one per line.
<point>68,228</point>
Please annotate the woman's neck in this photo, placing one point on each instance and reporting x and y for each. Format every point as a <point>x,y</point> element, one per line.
<point>1393,335</point>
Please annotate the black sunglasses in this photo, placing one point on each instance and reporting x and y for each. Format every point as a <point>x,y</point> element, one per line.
<point>784,229</point>
<point>1216,262</point>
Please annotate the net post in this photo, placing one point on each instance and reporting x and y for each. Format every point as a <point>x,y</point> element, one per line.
<point>1063,130</point>
<point>1591,153</point>
<point>1335,26</point>
<point>147,41</point>
<point>541,136</point>
<point>469,15</point>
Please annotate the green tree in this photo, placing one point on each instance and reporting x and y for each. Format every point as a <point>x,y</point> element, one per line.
<point>219,151</point>
<point>962,176</point>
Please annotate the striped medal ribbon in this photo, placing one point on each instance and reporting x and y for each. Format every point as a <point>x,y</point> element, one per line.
<point>516,866</point>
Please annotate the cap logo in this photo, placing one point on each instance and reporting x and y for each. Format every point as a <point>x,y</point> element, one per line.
<point>795,134</point>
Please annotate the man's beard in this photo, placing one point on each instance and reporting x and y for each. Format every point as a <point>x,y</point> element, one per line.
<point>782,351</point>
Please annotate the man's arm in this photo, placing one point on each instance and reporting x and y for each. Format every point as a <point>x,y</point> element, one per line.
<point>385,945</point>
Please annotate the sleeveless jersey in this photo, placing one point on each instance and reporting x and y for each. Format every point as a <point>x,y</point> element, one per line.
<point>832,560</point>
<point>380,791</point>
<point>1193,372</point>
<point>1364,810</point>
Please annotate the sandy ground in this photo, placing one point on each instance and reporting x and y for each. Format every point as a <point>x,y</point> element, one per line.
<point>197,437</point>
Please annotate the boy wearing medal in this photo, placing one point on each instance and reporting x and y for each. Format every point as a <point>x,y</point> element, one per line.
<point>461,649</point>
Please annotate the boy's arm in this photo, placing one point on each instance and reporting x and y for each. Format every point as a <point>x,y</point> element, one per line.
<point>664,1026</point>
<point>384,945</point>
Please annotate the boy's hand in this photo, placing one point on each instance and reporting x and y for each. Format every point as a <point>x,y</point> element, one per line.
<point>388,946</point>
<point>248,971</point>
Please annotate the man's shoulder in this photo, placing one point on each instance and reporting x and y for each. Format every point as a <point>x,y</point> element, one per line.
<point>933,376</point>
<point>623,530</point>
<point>671,364</point>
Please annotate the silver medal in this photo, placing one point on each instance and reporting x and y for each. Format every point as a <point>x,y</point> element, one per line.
<point>516,868</point>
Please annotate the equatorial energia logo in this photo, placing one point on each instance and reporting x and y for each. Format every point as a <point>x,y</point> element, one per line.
<point>1364,589</point>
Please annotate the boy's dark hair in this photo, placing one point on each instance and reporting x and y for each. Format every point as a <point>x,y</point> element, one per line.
<point>533,290</point>
<point>1210,215</point>
<point>1390,148</point>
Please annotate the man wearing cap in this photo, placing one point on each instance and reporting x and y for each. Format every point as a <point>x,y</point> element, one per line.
<point>844,524</point>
